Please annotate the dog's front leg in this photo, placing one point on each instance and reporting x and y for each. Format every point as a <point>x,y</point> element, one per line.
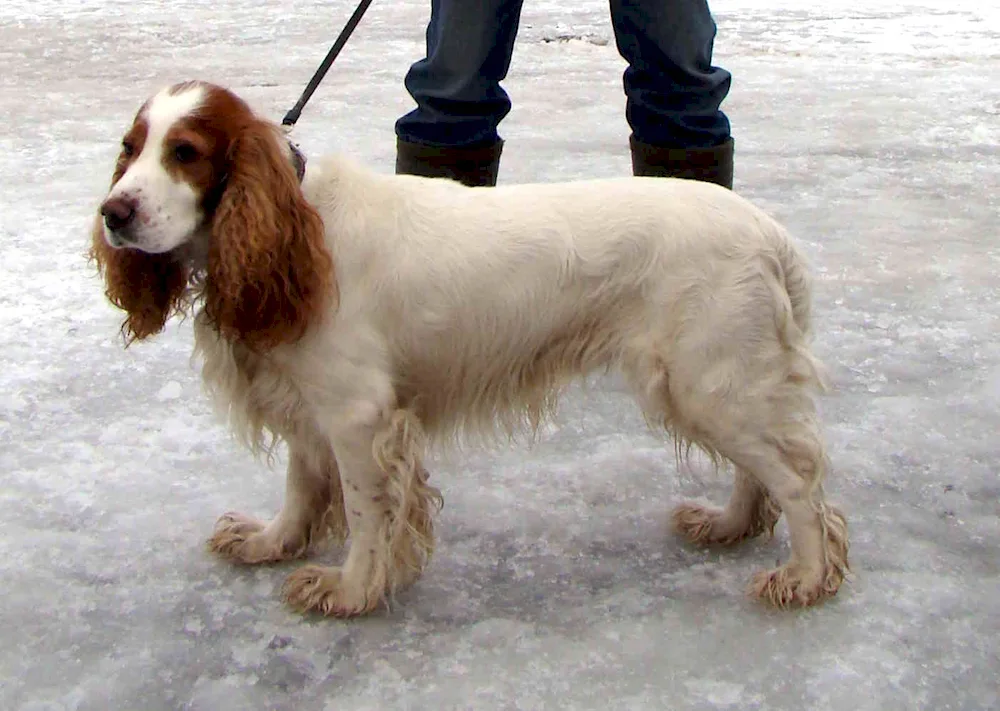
<point>388,504</point>
<point>311,512</point>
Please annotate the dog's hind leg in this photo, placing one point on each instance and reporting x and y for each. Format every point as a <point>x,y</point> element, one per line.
<point>312,510</point>
<point>738,381</point>
<point>765,423</point>
<point>790,465</point>
<point>750,512</point>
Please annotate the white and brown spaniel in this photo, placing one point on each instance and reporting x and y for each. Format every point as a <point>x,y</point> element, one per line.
<point>361,317</point>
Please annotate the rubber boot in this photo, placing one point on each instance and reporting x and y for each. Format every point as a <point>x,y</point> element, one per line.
<point>711,165</point>
<point>475,167</point>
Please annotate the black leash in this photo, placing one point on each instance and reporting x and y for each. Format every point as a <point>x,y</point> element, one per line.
<point>292,116</point>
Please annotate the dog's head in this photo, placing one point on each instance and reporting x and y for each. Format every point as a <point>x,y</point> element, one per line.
<point>203,186</point>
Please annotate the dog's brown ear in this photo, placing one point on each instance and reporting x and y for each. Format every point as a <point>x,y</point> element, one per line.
<point>269,272</point>
<point>148,287</point>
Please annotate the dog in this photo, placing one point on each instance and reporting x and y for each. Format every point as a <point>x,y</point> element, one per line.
<point>362,318</point>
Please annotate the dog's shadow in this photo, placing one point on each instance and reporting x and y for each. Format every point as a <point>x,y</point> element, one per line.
<point>642,568</point>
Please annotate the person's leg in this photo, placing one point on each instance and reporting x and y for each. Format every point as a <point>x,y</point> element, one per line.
<point>673,91</point>
<point>453,130</point>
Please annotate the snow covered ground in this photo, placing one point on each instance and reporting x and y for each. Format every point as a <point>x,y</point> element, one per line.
<point>872,129</point>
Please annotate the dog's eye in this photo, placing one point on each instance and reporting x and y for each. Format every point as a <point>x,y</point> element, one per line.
<point>185,153</point>
<point>127,149</point>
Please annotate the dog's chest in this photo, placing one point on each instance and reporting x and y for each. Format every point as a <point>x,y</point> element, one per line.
<point>256,392</point>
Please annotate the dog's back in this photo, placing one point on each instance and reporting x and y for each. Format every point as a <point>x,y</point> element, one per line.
<point>495,298</point>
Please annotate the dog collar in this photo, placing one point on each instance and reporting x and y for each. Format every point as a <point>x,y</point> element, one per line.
<point>298,161</point>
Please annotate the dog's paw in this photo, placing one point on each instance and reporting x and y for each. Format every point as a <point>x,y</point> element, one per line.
<point>245,539</point>
<point>797,583</point>
<point>708,525</point>
<point>785,587</point>
<point>695,522</point>
<point>313,588</point>
<point>792,586</point>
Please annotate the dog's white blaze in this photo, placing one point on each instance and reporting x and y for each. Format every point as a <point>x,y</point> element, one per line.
<point>167,109</point>
<point>167,209</point>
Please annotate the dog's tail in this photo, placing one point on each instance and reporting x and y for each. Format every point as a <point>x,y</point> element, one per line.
<point>797,282</point>
<point>793,299</point>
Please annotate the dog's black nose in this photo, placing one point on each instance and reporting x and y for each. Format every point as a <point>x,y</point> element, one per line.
<point>118,213</point>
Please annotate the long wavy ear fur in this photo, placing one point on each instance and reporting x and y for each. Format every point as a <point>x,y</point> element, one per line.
<point>269,272</point>
<point>148,287</point>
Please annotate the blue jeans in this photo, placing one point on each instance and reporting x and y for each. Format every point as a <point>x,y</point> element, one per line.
<point>673,92</point>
